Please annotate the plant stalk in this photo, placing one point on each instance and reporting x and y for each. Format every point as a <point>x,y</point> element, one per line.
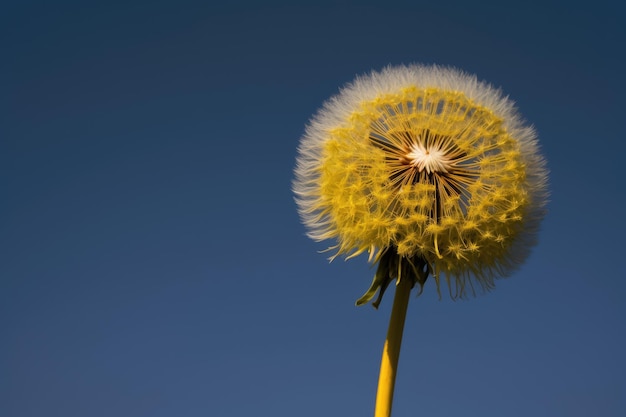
<point>391,350</point>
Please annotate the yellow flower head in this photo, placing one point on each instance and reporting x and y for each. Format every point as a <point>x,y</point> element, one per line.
<point>429,171</point>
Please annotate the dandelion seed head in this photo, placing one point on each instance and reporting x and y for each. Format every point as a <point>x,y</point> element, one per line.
<point>428,165</point>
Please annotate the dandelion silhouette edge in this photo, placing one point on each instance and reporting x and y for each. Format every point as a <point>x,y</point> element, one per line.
<point>429,171</point>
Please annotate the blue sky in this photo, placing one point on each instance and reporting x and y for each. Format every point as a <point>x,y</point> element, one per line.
<point>152,260</point>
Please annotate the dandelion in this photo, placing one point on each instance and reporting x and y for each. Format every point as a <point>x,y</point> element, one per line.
<point>430,172</point>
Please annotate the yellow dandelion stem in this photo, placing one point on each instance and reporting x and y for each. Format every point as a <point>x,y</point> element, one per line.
<point>391,350</point>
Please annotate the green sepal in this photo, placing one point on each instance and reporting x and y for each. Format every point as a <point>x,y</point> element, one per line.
<point>381,281</point>
<point>392,266</point>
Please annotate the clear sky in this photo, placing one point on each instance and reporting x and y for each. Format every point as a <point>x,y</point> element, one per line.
<point>152,262</point>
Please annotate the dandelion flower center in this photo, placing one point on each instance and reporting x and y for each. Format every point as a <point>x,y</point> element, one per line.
<point>431,158</point>
<point>417,157</point>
